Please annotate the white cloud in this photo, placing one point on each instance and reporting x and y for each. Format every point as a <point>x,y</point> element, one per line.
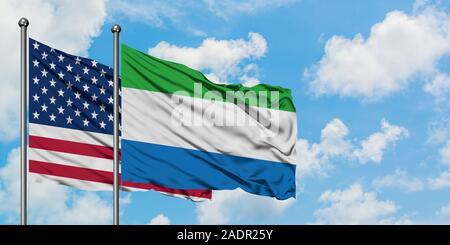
<point>354,206</point>
<point>86,208</point>
<point>396,50</point>
<point>67,25</point>
<point>444,211</point>
<point>439,134</point>
<point>399,179</point>
<point>49,203</point>
<point>219,68</point>
<point>445,153</point>
<point>178,13</point>
<point>439,131</point>
<point>154,13</point>
<point>441,181</point>
<point>157,12</point>
<point>373,147</point>
<point>439,86</point>
<point>333,140</point>
<point>249,81</point>
<point>310,160</point>
<point>229,8</point>
<point>316,158</point>
<point>250,75</point>
<point>160,219</point>
<point>232,206</point>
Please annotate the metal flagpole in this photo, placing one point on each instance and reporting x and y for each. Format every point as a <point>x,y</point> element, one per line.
<point>23,23</point>
<point>116,30</point>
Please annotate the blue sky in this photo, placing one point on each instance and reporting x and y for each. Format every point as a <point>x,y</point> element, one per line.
<point>370,81</point>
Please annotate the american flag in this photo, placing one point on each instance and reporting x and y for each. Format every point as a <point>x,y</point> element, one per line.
<point>71,123</point>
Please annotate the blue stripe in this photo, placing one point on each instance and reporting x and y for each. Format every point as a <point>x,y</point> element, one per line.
<point>181,168</point>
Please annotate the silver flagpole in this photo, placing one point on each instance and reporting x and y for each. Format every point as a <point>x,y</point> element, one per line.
<point>116,30</point>
<point>23,23</point>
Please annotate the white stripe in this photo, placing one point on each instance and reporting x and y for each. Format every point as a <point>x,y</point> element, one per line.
<point>76,183</point>
<point>148,117</point>
<point>71,135</point>
<point>70,159</point>
<point>79,184</point>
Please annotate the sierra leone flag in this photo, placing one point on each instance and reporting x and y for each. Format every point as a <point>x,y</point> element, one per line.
<point>182,131</point>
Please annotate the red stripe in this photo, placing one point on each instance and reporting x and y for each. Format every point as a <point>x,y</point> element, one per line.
<point>71,147</point>
<point>104,177</point>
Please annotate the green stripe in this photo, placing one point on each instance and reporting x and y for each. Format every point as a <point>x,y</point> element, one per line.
<point>142,71</point>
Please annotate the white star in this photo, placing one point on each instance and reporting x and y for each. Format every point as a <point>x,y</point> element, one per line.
<point>69,120</point>
<point>85,70</point>
<point>103,72</point>
<point>94,115</point>
<point>35,63</point>
<point>77,95</point>
<point>61,75</point>
<point>102,124</point>
<point>120,92</point>
<point>35,97</point>
<point>110,117</point>
<point>77,112</point>
<point>94,80</point>
<point>60,92</point>
<point>94,63</point>
<point>110,100</point>
<point>52,117</point>
<point>52,83</point>
<point>102,90</point>
<point>85,122</point>
<point>44,90</point>
<point>60,58</point>
<point>52,50</point>
<point>85,105</point>
<point>102,107</point>
<point>69,85</point>
<point>69,68</point>
<point>52,66</point>
<point>36,115</point>
<point>44,55</point>
<point>44,107</point>
<point>52,100</point>
<point>36,45</point>
<point>77,78</point>
<point>35,80</point>
<point>60,110</point>
<point>77,60</point>
<point>44,73</point>
<point>94,97</point>
<point>110,83</point>
<point>85,88</point>
<point>69,102</point>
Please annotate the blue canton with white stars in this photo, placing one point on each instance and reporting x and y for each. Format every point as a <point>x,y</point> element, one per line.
<point>69,91</point>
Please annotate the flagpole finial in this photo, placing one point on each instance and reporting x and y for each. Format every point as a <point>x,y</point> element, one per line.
<point>24,22</point>
<point>116,28</point>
